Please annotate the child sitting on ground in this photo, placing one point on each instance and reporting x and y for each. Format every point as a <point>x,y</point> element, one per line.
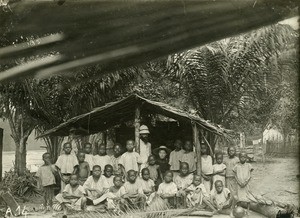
<point>114,196</point>
<point>175,157</point>
<point>219,169</point>
<point>221,199</point>
<point>133,192</point>
<point>47,180</point>
<point>183,180</point>
<point>153,170</point>
<point>130,160</point>
<point>189,156</point>
<point>197,194</point>
<point>89,157</point>
<point>102,159</point>
<point>147,185</point>
<point>243,175</point>
<point>107,178</point>
<point>73,196</point>
<point>83,168</point>
<point>94,185</point>
<point>230,162</point>
<point>66,164</point>
<point>168,189</point>
<point>207,167</point>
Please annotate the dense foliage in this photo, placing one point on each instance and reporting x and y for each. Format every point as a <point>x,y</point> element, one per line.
<point>22,187</point>
<point>236,81</point>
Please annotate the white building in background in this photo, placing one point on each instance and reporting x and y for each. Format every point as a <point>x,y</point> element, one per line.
<point>272,134</point>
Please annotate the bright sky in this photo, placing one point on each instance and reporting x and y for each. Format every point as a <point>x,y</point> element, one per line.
<point>293,22</point>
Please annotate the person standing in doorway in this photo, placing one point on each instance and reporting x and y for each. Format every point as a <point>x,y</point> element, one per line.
<point>145,145</point>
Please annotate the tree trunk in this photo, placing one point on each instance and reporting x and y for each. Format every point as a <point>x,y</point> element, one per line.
<point>137,128</point>
<point>284,152</point>
<point>20,156</point>
<point>198,147</point>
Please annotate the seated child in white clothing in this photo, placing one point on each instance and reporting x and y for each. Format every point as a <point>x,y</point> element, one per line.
<point>94,185</point>
<point>183,180</point>
<point>147,185</point>
<point>73,196</point>
<point>220,197</point>
<point>197,196</point>
<point>114,194</point>
<point>168,189</point>
<point>107,177</point>
<point>133,195</point>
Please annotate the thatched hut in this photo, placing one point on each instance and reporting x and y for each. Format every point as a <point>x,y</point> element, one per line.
<point>136,108</point>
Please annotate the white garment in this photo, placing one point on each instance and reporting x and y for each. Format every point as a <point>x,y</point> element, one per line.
<point>102,161</point>
<point>183,182</point>
<point>145,151</point>
<point>175,157</point>
<point>90,159</point>
<point>90,183</point>
<point>206,165</point>
<point>190,158</point>
<point>216,168</point>
<point>220,198</point>
<point>146,185</point>
<point>107,182</point>
<point>66,163</point>
<point>130,160</point>
<point>167,188</point>
<point>196,194</point>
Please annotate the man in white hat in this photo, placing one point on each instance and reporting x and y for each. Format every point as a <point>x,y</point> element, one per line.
<point>145,145</point>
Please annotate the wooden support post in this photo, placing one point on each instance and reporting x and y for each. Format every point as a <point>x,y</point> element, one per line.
<point>198,147</point>
<point>1,152</point>
<point>137,128</point>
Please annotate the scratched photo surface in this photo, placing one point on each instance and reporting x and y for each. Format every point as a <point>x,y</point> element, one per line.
<point>138,108</point>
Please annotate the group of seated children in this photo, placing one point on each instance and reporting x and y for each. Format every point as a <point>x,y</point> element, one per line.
<point>124,185</point>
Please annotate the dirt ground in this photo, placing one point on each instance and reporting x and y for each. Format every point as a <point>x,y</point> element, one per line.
<point>277,179</point>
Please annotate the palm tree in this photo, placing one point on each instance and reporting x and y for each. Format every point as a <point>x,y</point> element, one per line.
<point>227,78</point>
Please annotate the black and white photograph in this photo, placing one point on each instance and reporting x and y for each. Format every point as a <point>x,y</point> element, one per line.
<point>149,108</point>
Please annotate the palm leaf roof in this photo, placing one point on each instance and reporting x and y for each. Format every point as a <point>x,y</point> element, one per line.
<point>118,34</point>
<point>114,113</point>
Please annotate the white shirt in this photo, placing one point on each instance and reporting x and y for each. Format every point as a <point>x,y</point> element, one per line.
<point>175,157</point>
<point>183,182</point>
<point>145,151</point>
<point>130,160</point>
<point>102,161</point>
<point>66,163</point>
<point>222,197</point>
<point>206,164</point>
<point>107,182</point>
<point>90,183</point>
<point>90,159</point>
<point>167,188</point>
